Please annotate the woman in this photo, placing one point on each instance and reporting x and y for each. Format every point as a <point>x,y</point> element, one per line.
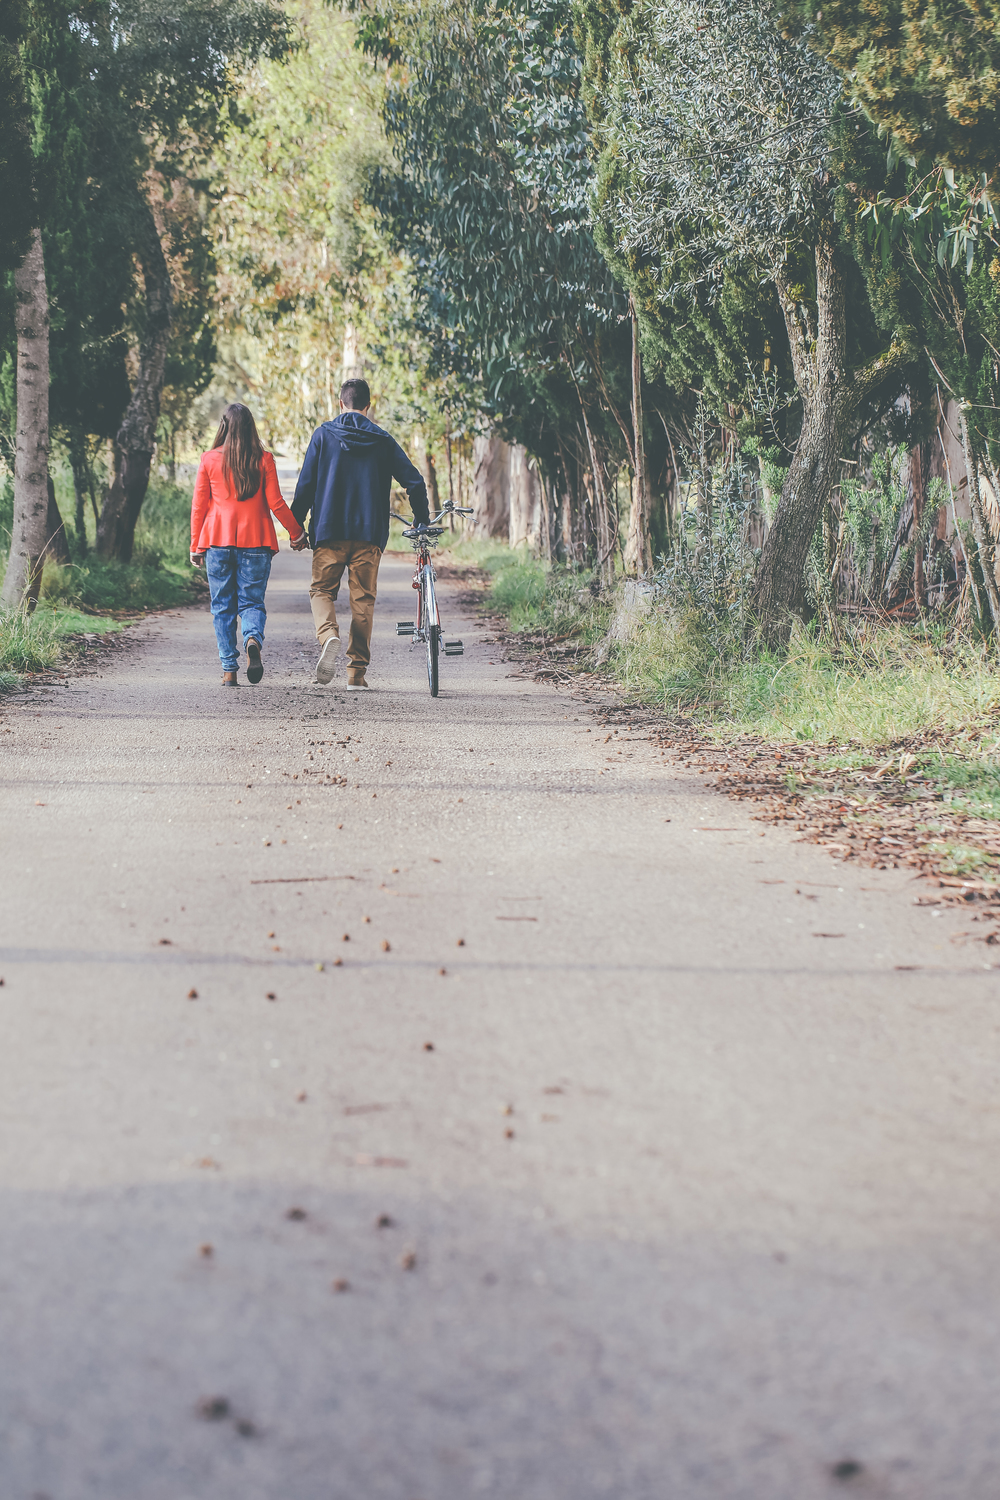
<point>232,532</point>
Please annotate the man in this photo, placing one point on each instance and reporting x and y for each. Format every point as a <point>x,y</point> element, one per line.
<point>345,482</point>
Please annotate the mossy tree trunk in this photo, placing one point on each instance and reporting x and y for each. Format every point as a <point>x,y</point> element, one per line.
<point>136,438</point>
<point>832,396</point>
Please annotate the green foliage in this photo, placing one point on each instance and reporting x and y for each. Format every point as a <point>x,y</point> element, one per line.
<point>489,199</point>
<point>724,168</point>
<point>16,171</point>
<point>300,252</point>
<point>930,74</point>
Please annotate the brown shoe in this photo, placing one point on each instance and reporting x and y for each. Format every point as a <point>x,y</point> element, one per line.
<point>229,679</point>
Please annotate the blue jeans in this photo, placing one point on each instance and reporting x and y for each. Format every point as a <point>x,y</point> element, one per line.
<point>237,577</point>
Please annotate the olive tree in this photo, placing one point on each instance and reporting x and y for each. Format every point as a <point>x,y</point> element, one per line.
<point>724,125</point>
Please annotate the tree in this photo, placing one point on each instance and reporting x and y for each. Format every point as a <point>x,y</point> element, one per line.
<point>723,128</point>
<point>165,92</point>
<point>16,174</point>
<point>930,74</point>
<point>31,457</point>
<point>490,200</point>
<point>303,268</point>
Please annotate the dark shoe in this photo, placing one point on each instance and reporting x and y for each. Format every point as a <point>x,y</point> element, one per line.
<point>255,667</point>
<point>229,679</point>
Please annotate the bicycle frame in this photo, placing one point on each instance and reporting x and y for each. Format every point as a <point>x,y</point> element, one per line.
<point>426,629</point>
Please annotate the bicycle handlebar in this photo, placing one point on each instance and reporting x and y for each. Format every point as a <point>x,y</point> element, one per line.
<point>446,510</point>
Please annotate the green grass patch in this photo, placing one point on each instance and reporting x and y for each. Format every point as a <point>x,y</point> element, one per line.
<point>40,642</point>
<point>876,688</point>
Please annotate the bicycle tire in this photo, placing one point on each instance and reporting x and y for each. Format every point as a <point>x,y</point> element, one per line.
<point>433,651</point>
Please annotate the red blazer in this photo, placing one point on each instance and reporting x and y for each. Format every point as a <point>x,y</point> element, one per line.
<point>218,519</point>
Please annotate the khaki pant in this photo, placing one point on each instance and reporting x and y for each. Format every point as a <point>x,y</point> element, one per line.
<point>361,559</point>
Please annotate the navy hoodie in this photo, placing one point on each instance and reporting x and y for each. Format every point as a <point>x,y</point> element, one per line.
<point>345,481</point>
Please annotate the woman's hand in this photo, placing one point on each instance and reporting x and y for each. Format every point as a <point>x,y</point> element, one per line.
<point>197,559</point>
<point>300,543</point>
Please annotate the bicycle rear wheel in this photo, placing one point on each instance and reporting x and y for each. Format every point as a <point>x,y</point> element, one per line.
<point>433,650</point>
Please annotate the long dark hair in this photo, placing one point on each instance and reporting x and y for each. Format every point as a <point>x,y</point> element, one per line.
<point>242,449</point>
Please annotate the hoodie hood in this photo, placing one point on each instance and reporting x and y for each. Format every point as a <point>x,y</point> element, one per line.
<point>355,432</point>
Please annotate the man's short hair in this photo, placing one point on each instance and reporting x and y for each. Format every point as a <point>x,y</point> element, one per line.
<point>356,394</point>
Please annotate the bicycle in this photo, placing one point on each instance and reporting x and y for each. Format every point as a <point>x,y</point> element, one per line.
<point>427,626</point>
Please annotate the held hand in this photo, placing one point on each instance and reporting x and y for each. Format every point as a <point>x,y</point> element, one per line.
<point>197,559</point>
<point>300,543</point>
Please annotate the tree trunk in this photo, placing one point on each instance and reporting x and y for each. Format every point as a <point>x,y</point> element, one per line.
<point>136,439</point>
<point>526,502</point>
<point>987,561</point>
<point>604,537</point>
<point>433,493</point>
<point>491,487</point>
<point>638,548</point>
<point>56,547</point>
<point>354,363</point>
<point>916,483</point>
<point>31,457</point>
<point>819,362</point>
<point>78,461</point>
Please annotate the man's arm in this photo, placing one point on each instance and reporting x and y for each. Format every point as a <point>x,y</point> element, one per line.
<point>305,488</point>
<point>412,481</point>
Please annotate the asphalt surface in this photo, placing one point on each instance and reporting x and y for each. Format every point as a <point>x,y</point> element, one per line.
<point>524,1138</point>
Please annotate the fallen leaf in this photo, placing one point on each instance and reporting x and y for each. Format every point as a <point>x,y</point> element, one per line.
<point>828,934</point>
<point>206,1250</point>
<point>442,971</point>
<point>301,1097</point>
<point>245,1428</point>
<point>296,1213</point>
<point>507,1109</point>
<point>460,943</point>
<point>385,945</point>
<point>271,995</point>
<point>165,943</point>
<point>192,994</point>
<point>508,1134</point>
<point>408,1260</point>
<point>428,1046</point>
<point>384,1221</point>
<point>341,1285</point>
<point>213,1408</point>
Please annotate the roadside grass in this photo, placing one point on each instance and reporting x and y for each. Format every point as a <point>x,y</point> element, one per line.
<point>82,597</point>
<point>41,641</point>
<point>875,688</point>
<point>158,577</point>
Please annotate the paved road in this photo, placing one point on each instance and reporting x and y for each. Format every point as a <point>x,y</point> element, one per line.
<point>640,1189</point>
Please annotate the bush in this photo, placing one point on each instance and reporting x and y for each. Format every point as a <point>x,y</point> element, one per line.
<point>99,585</point>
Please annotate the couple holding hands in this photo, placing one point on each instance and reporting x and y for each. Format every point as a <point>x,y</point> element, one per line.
<point>343,489</point>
